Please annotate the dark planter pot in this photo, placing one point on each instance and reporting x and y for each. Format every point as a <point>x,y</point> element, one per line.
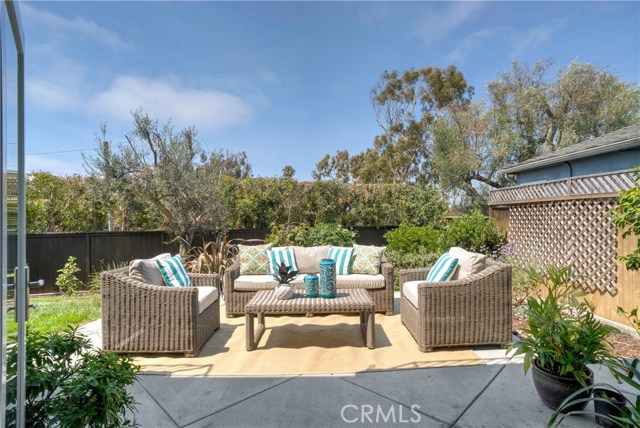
<point>553,389</point>
<point>614,408</point>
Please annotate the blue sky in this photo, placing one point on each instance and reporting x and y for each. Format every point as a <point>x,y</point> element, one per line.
<point>286,82</point>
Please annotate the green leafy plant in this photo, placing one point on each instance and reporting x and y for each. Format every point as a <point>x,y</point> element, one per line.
<point>213,257</point>
<point>419,259</point>
<point>67,281</point>
<point>627,215</point>
<point>625,371</point>
<point>94,277</point>
<point>473,232</point>
<point>71,384</point>
<point>307,236</point>
<point>412,239</point>
<point>332,234</point>
<point>289,234</point>
<point>563,334</point>
<point>285,274</point>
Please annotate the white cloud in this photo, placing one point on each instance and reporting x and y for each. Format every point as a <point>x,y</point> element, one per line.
<point>76,27</point>
<point>167,98</point>
<point>438,24</point>
<point>526,40</point>
<point>57,166</point>
<point>467,45</point>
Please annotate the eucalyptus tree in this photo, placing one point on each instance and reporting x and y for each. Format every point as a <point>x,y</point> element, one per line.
<point>405,106</point>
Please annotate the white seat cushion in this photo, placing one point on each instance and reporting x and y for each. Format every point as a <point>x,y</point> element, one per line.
<point>410,290</point>
<point>262,282</point>
<point>359,280</point>
<point>206,297</point>
<point>468,262</point>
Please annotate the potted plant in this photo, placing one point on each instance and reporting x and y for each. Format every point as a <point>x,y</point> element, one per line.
<point>563,337</point>
<point>611,407</point>
<point>285,275</point>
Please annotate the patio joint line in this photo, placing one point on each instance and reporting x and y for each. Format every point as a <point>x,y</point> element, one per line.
<point>238,402</point>
<point>466,409</point>
<point>158,403</point>
<point>393,400</point>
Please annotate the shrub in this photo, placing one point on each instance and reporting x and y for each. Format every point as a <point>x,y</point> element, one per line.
<point>304,235</point>
<point>213,257</point>
<point>412,239</point>
<point>473,232</point>
<point>419,259</point>
<point>67,281</point>
<point>71,384</point>
<point>332,234</point>
<point>627,215</point>
<point>523,283</point>
<point>290,234</point>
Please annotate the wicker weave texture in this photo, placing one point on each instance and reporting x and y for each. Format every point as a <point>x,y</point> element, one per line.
<point>355,300</point>
<point>142,318</point>
<point>471,311</point>
<point>236,300</point>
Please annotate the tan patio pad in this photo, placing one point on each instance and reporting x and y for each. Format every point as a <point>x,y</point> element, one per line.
<point>294,345</point>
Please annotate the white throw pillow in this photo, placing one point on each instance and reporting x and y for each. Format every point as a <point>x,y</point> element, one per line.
<point>468,262</point>
<point>147,271</point>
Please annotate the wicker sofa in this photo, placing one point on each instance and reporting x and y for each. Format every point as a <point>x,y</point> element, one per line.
<point>141,318</point>
<point>238,290</point>
<point>475,310</point>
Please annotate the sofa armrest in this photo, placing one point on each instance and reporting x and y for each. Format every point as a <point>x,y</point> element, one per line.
<point>206,280</point>
<point>386,269</point>
<point>407,275</point>
<point>230,275</point>
<point>132,310</point>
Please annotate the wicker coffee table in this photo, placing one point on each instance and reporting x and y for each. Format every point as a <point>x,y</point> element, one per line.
<point>347,301</point>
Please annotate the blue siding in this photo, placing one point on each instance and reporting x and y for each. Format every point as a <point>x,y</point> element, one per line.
<point>608,162</point>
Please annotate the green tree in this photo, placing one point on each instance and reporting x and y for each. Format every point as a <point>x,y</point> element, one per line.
<point>547,110</point>
<point>405,105</point>
<point>62,204</point>
<point>170,170</point>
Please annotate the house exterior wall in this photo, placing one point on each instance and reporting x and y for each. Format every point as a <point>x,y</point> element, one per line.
<point>614,161</point>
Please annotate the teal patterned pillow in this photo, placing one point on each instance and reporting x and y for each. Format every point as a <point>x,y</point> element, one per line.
<point>367,259</point>
<point>254,259</point>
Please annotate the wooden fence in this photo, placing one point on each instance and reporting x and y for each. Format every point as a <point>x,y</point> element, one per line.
<point>568,222</point>
<point>95,251</point>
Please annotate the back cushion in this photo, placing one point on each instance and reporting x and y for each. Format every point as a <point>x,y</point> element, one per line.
<point>308,258</point>
<point>147,271</point>
<point>469,262</point>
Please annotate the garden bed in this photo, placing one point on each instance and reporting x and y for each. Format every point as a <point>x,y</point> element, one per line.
<point>624,345</point>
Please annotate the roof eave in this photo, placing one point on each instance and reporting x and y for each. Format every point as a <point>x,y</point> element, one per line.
<point>613,147</point>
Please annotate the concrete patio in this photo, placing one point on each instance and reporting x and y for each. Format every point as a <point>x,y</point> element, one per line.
<point>477,396</point>
<point>496,393</point>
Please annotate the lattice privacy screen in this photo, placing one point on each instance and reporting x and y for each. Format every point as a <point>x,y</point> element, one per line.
<point>577,233</point>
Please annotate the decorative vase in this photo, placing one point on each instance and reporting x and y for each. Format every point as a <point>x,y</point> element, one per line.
<point>608,402</point>
<point>553,389</point>
<point>311,287</point>
<point>284,291</point>
<point>328,278</point>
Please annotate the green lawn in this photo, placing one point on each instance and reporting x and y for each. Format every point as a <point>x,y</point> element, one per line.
<point>57,313</point>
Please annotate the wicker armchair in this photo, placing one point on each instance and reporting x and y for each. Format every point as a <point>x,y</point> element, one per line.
<point>141,318</point>
<point>472,311</point>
